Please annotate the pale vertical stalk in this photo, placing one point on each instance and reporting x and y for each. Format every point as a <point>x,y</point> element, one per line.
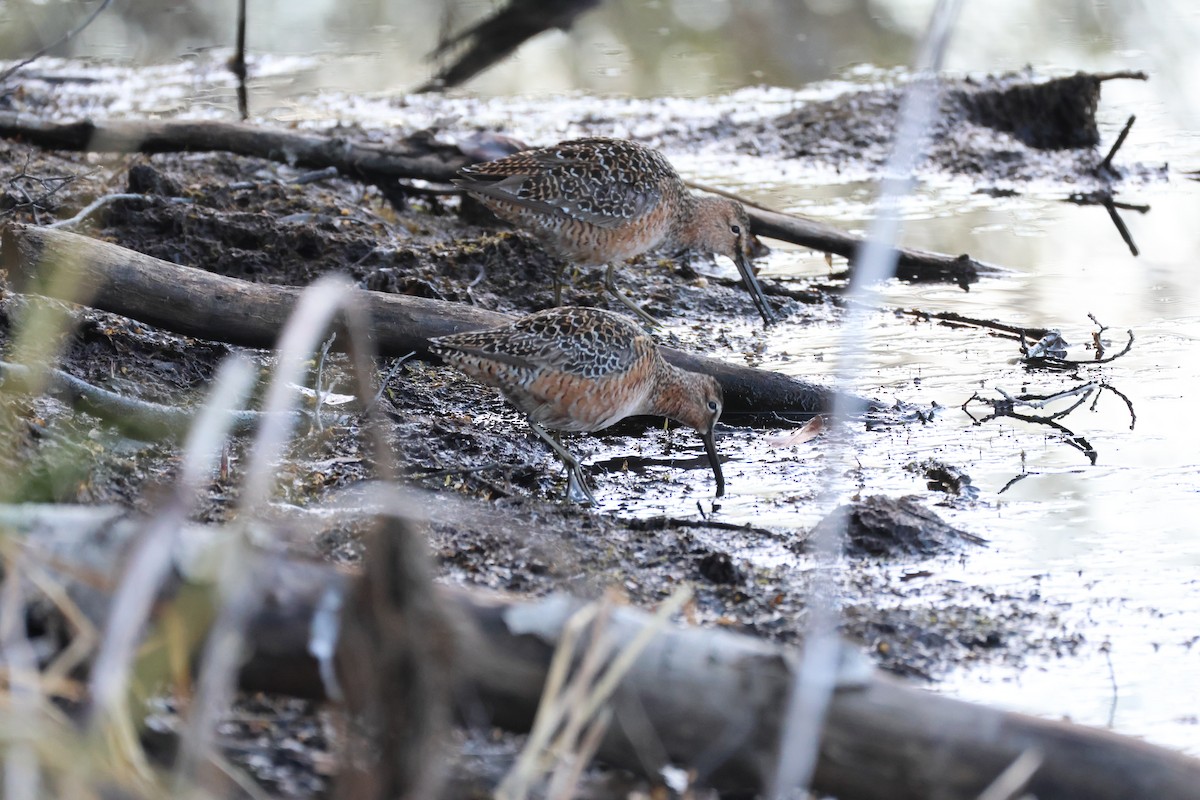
<point>316,309</point>
<point>22,767</point>
<point>151,560</point>
<point>816,668</point>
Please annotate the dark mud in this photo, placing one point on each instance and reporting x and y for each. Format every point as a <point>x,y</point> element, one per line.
<point>497,519</point>
<point>997,131</point>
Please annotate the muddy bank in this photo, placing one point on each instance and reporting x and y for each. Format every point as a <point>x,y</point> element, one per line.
<point>500,523</point>
<point>998,130</point>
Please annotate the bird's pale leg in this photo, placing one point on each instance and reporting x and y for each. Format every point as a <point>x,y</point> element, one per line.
<point>576,483</point>
<point>628,303</point>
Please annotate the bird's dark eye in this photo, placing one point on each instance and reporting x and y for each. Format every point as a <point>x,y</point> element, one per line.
<point>736,229</point>
<point>712,405</point>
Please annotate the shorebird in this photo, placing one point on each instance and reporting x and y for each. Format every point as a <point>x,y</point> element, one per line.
<point>583,369</point>
<point>601,201</point>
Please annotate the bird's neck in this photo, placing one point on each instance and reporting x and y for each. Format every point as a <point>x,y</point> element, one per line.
<point>691,226</point>
<point>675,397</point>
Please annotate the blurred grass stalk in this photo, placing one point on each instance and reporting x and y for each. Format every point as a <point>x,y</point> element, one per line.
<point>46,752</point>
<point>818,667</point>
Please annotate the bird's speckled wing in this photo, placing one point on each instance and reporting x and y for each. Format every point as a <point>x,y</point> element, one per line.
<point>582,342</point>
<point>604,182</point>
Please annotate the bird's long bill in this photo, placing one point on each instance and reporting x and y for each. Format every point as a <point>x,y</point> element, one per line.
<point>710,447</point>
<point>754,287</point>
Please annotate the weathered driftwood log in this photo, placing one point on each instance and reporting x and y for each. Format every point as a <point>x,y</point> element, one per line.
<point>708,699</point>
<point>422,159</point>
<point>912,263</point>
<point>196,303</point>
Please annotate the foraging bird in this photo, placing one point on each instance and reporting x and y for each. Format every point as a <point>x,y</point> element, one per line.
<point>600,201</point>
<point>583,369</point>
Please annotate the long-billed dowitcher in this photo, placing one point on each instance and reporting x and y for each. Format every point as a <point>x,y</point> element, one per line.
<point>583,369</point>
<point>600,201</point>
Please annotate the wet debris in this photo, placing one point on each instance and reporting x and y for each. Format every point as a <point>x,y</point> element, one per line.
<point>882,526</point>
<point>718,567</point>
<point>1051,350</point>
<point>1058,114</point>
<point>943,477</point>
<point>1052,345</point>
<point>1017,126</point>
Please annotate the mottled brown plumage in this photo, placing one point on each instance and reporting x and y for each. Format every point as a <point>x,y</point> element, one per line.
<point>583,369</point>
<point>600,201</point>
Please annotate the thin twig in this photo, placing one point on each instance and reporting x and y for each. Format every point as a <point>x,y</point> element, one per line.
<point>1066,363</point>
<point>51,185</point>
<point>237,64</point>
<point>100,202</point>
<point>1112,680</point>
<point>1120,223</point>
<point>1107,162</point>
<point>954,318</point>
<point>61,40</point>
<point>391,373</point>
<point>1128,403</point>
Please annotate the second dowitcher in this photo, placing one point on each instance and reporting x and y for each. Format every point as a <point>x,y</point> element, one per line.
<point>601,201</point>
<point>583,369</point>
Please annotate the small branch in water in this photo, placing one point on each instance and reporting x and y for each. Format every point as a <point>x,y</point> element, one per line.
<point>237,64</point>
<point>952,318</point>
<point>1106,164</point>
<point>1113,214</point>
<point>1124,397</point>
<point>66,37</point>
<point>1007,406</point>
<point>1105,198</point>
<point>1054,362</point>
<point>1124,74</point>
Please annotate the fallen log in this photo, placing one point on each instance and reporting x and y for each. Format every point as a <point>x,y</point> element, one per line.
<point>709,700</point>
<point>421,158</point>
<point>912,264</point>
<point>196,303</point>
